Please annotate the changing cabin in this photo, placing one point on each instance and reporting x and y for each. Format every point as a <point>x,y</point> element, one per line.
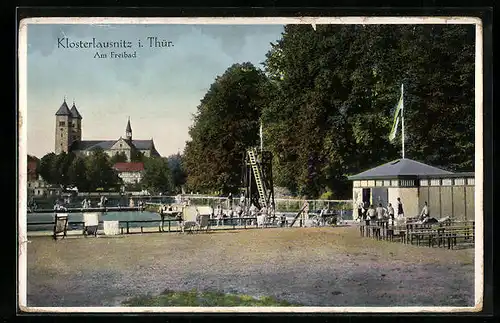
<point>447,193</point>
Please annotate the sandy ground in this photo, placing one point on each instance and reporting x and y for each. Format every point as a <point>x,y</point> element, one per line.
<point>309,266</point>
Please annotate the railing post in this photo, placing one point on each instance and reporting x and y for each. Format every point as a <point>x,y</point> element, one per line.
<point>128,231</point>
<point>169,225</point>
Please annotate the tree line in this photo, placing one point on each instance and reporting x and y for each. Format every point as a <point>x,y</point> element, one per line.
<point>96,172</point>
<point>326,98</point>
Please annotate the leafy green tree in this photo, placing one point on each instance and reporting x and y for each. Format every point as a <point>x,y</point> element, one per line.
<point>334,90</point>
<point>99,171</point>
<point>136,156</point>
<point>120,157</point>
<point>77,173</point>
<point>157,177</point>
<point>225,125</point>
<point>46,168</point>
<point>61,167</point>
<point>177,171</point>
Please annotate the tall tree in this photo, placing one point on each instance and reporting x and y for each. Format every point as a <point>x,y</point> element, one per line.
<point>61,167</point>
<point>118,158</point>
<point>77,174</point>
<point>47,168</point>
<point>157,177</point>
<point>99,171</point>
<point>225,125</point>
<point>335,89</point>
<point>177,171</point>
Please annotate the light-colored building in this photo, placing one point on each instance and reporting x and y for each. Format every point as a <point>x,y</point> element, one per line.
<point>68,137</point>
<point>447,193</point>
<point>39,187</point>
<point>130,173</point>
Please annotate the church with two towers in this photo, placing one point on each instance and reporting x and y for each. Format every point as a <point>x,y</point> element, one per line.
<point>69,137</point>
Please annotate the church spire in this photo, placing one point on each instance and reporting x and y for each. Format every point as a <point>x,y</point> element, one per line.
<point>128,130</point>
<point>74,111</point>
<point>63,110</point>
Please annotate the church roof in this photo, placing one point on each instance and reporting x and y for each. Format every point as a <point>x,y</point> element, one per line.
<point>400,167</point>
<point>129,128</point>
<point>107,144</point>
<point>63,110</point>
<point>143,144</point>
<point>93,144</point>
<point>74,112</point>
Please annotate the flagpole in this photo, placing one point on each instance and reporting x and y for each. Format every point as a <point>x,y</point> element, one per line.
<point>402,121</point>
<point>261,139</point>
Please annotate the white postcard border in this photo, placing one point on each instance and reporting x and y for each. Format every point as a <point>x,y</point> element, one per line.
<point>22,161</point>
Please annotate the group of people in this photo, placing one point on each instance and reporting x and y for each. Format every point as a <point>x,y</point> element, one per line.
<point>86,203</point>
<point>59,206</point>
<point>238,212</point>
<point>370,213</point>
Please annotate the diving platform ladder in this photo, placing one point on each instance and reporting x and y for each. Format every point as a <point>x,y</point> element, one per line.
<point>257,172</point>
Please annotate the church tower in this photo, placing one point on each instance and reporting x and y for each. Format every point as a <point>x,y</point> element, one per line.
<point>76,124</point>
<point>128,131</point>
<point>63,129</point>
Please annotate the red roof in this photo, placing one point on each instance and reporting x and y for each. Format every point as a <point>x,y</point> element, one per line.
<point>129,167</point>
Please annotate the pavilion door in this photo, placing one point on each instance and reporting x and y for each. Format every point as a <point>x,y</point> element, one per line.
<point>380,195</point>
<point>366,196</point>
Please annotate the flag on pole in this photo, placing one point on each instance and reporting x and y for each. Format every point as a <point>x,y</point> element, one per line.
<point>260,135</point>
<point>397,117</point>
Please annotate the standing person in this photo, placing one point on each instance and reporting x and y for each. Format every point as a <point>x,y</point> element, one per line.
<point>425,212</point>
<point>365,209</point>
<point>360,211</point>
<point>263,216</point>
<point>220,216</point>
<point>230,201</point>
<point>371,213</point>
<point>239,213</point>
<point>401,213</point>
<point>231,215</point>
<point>253,212</point>
<point>380,212</point>
<point>390,211</point>
<point>305,212</point>
<point>242,200</point>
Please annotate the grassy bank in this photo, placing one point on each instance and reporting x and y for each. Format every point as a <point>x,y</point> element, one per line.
<point>203,299</point>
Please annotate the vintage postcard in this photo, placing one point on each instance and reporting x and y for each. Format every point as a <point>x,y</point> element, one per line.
<point>250,164</point>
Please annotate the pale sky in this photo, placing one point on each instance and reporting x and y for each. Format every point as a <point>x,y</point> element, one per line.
<point>159,90</point>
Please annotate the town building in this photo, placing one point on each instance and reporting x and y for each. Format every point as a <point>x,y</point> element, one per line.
<point>32,171</point>
<point>68,137</point>
<point>447,193</point>
<point>38,187</point>
<point>130,173</point>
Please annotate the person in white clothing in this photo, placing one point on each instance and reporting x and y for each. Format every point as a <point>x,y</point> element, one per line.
<point>380,212</point>
<point>425,212</point>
